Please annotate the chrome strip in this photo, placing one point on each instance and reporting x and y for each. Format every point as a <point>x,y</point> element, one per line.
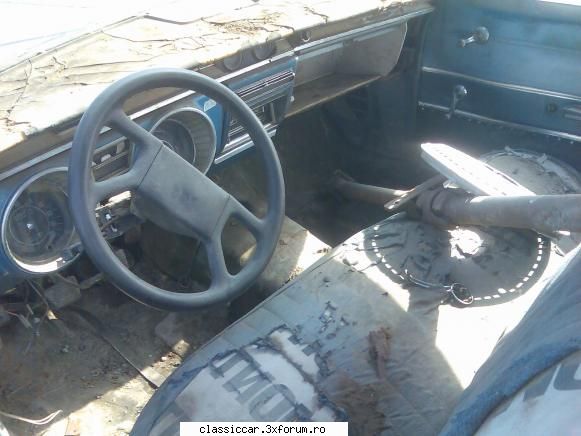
<point>320,43</point>
<point>234,149</point>
<point>512,87</point>
<point>41,268</point>
<point>221,79</point>
<point>36,160</point>
<point>276,80</point>
<point>563,135</point>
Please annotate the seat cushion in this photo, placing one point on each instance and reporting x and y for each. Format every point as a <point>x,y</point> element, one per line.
<point>352,339</point>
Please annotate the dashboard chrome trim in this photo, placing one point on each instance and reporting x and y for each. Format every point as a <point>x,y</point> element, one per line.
<point>34,161</point>
<point>241,144</point>
<point>362,31</point>
<point>166,102</point>
<point>40,269</point>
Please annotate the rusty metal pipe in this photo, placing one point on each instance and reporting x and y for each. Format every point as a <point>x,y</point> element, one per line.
<point>366,193</point>
<point>544,213</point>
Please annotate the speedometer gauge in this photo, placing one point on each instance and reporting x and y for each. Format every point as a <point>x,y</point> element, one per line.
<point>38,229</point>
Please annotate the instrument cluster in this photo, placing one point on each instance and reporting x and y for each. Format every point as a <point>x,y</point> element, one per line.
<point>38,233</point>
<point>37,229</point>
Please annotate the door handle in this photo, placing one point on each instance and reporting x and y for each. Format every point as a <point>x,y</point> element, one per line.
<point>481,35</point>
<point>458,93</point>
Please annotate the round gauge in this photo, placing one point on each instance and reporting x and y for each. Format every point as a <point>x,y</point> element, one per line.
<point>264,51</point>
<point>176,136</point>
<point>234,62</point>
<point>190,133</point>
<point>37,229</point>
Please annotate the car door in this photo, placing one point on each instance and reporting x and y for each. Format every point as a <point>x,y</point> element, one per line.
<point>513,62</point>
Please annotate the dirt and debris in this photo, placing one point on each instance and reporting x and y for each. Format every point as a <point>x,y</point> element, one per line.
<point>327,317</point>
<point>183,333</point>
<point>379,350</point>
<point>67,366</point>
<point>360,402</point>
<point>249,26</point>
<point>295,273</point>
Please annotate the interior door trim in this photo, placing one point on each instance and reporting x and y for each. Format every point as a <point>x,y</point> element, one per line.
<point>532,129</point>
<point>510,86</point>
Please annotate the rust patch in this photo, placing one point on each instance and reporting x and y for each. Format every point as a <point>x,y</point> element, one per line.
<point>379,350</point>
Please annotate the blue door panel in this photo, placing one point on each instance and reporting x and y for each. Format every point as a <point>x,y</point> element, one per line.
<point>498,103</point>
<point>529,71</point>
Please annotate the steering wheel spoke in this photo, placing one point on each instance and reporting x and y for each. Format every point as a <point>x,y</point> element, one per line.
<point>217,263</point>
<point>238,211</point>
<point>133,131</point>
<point>144,154</point>
<point>104,189</point>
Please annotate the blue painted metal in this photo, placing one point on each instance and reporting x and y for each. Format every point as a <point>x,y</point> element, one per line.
<point>9,272</point>
<point>527,73</point>
<point>215,112</point>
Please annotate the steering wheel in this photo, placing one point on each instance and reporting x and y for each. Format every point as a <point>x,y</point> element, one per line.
<point>172,192</point>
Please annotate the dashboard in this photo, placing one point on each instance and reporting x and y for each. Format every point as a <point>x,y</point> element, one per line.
<point>277,79</point>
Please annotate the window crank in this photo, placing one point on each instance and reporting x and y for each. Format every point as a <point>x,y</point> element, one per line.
<point>481,35</point>
<point>458,94</point>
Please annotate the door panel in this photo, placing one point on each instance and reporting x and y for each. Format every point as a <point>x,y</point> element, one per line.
<point>528,72</point>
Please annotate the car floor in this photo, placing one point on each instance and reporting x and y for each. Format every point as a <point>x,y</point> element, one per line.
<point>351,336</point>
<point>310,154</point>
<point>98,362</point>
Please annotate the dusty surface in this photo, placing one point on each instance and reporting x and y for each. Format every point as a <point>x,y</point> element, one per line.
<point>361,404</point>
<point>68,366</point>
<point>103,358</point>
<point>57,86</point>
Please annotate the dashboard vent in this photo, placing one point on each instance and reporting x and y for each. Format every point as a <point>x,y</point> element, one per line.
<point>267,85</point>
<point>111,160</point>
<point>265,114</point>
